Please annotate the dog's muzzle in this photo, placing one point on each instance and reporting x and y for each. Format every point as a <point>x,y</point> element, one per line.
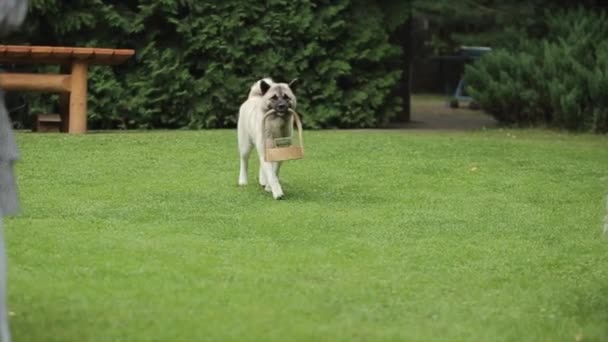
<point>281,107</point>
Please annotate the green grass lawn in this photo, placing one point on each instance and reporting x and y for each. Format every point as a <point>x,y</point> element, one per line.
<point>383,236</point>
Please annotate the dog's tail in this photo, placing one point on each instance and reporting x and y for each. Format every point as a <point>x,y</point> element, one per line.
<point>256,90</point>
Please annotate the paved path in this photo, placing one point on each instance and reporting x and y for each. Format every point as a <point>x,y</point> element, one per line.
<point>435,114</point>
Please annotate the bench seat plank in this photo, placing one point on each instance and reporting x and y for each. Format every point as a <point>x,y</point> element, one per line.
<point>63,55</point>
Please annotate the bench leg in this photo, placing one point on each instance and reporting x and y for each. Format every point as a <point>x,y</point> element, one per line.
<point>64,111</point>
<point>77,121</point>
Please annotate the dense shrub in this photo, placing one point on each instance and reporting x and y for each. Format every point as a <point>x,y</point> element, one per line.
<point>560,81</point>
<point>196,59</point>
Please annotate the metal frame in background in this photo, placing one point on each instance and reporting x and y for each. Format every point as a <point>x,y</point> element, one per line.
<point>467,54</point>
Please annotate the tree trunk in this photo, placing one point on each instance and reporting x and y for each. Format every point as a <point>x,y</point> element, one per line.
<point>406,78</point>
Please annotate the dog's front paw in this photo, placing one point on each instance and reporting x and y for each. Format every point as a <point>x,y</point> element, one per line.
<point>278,195</point>
<point>242,182</point>
<point>267,188</point>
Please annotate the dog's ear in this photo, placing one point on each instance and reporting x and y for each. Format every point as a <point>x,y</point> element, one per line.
<point>264,87</point>
<point>294,84</point>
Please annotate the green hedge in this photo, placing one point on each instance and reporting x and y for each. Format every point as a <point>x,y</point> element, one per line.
<point>196,59</point>
<point>559,81</point>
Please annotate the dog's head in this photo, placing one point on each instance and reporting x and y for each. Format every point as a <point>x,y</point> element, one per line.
<point>278,96</point>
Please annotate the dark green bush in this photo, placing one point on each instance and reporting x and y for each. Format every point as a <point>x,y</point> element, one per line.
<point>196,59</point>
<point>560,81</point>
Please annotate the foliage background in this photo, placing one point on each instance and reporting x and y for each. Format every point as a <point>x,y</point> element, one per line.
<point>559,80</point>
<point>197,59</point>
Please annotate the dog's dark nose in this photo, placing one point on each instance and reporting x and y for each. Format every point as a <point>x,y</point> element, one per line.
<point>281,107</point>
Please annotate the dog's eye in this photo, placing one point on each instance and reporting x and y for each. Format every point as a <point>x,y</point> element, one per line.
<point>274,97</point>
<point>285,97</point>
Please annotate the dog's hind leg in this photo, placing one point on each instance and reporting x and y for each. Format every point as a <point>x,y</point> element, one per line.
<point>244,150</point>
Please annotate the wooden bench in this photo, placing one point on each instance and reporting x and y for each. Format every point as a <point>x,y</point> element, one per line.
<point>72,87</point>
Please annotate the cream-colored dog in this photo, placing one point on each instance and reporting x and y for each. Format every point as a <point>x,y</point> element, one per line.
<point>265,95</point>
